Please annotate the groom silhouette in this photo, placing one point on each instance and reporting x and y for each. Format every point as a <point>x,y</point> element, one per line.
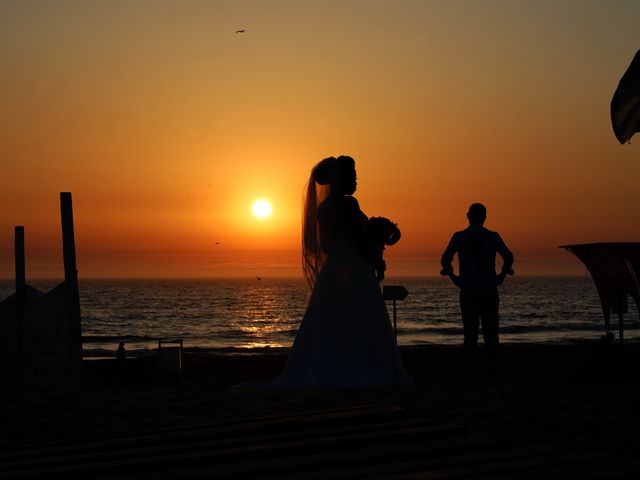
<point>476,247</point>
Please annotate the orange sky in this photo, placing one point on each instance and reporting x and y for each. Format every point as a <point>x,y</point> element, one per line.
<point>166,126</point>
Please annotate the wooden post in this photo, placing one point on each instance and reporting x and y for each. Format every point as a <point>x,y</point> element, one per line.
<point>20,301</point>
<point>20,264</point>
<point>620,306</point>
<point>621,327</point>
<point>71,280</point>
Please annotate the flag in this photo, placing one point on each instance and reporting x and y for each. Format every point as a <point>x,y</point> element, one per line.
<point>625,104</point>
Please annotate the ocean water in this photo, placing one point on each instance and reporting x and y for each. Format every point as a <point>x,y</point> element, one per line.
<point>245,315</point>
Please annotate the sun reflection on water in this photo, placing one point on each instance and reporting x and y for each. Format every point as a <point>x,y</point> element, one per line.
<point>250,345</point>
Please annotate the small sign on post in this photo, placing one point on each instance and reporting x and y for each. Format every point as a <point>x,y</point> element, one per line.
<point>394,292</point>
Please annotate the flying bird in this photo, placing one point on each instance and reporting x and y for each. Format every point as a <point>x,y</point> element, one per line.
<point>240,31</point>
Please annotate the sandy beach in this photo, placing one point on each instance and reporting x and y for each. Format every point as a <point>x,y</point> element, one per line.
<point>579,399</point>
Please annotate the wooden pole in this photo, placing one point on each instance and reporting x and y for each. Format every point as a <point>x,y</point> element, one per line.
<point>620,307</point>
<point>621,326</point>
<point>20,301</point>
<point>71,280</point>
<point>20,264</point>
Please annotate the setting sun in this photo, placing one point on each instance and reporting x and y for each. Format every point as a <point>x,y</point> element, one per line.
<point>261,208</point>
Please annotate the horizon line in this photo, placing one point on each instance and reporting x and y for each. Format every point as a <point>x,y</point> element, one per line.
<point>262,277</point>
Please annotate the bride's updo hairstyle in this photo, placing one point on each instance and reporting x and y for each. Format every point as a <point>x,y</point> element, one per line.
<point>331,169</point>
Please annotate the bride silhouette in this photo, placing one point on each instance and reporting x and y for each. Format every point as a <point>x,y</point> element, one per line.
<point>345,337</point>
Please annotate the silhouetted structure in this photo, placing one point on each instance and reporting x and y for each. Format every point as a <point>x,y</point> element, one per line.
<point>614,267</point>
<point>476,248</point>
<point>625,104</point>
<point>40,333</point>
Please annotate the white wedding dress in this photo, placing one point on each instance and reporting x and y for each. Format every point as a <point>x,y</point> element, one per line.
<point>345,338</point>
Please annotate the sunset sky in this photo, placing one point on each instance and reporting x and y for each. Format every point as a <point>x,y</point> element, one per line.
<point>166,126</point>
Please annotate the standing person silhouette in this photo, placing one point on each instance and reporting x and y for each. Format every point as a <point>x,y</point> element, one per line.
<point>345,338</point>
<point>476,247</point>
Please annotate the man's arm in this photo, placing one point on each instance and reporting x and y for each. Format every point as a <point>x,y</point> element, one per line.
<point>507,257</point>
<point>447,259</point>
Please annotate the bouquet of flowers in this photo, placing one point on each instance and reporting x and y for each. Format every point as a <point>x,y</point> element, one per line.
<point>381,232</point>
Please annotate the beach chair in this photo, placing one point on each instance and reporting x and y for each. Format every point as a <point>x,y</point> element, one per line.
<point>170,361</point>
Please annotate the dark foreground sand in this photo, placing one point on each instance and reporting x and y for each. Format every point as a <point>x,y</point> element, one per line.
<point>584,397</point>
